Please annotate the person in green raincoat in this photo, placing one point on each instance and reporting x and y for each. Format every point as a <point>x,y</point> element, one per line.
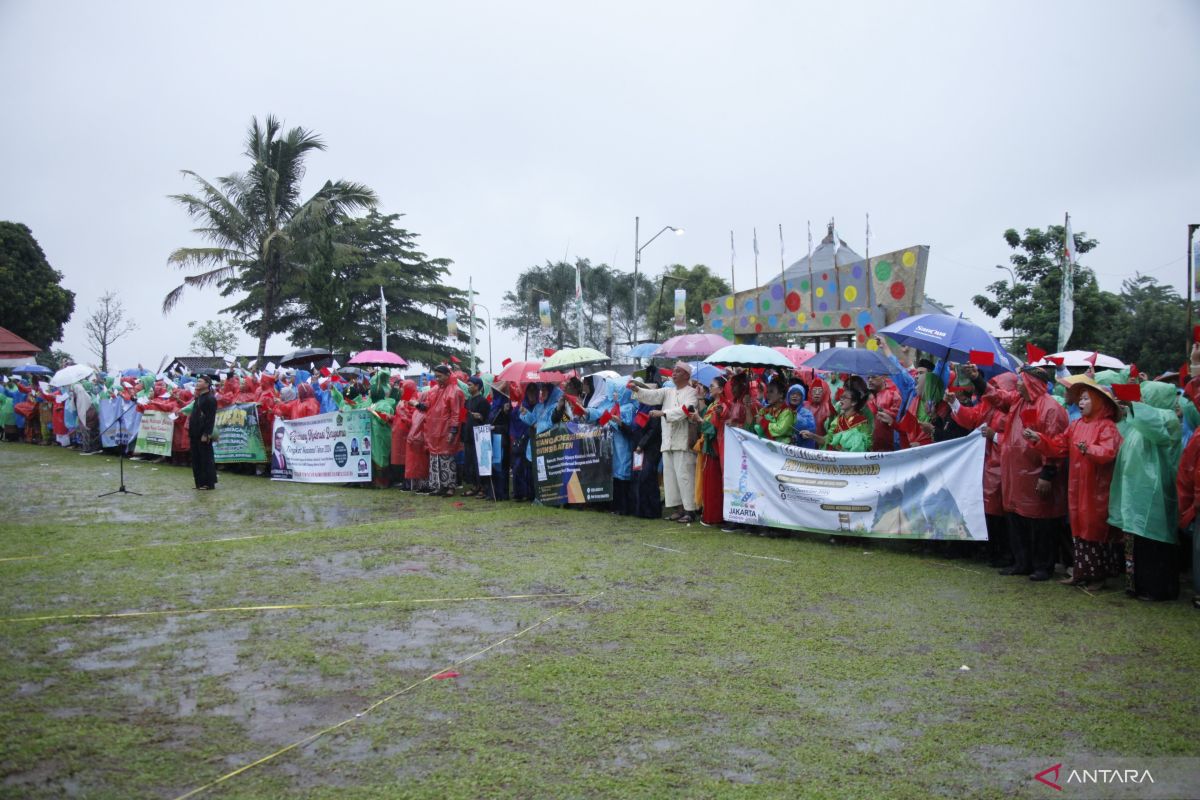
<point>8,418</point>
<point>1142,500</point>
<point>382,406</point>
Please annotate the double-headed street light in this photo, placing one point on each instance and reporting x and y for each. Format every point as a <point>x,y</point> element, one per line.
<point>637,262</point>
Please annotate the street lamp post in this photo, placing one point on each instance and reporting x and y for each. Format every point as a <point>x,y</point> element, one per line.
<point>1012,275</point>
<point>637,262</point>
<point>489,324</point>
<point>662,282</point>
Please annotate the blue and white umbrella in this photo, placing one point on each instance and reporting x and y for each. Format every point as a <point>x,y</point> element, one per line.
<point>951,338</point>
<point>33,369</point>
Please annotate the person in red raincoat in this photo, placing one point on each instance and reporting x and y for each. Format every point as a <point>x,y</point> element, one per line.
<point>820,403</point>
<point>990,421</point>
<point>1090,443</point>
<point>443,407</point>
<point>885,409</point>
<point>1033,487</point>
<point>416,455</point>
<point>305,404</point>
<point>401,424</point>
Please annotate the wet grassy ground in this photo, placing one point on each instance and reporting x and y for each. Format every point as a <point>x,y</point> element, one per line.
<point>722,665</point>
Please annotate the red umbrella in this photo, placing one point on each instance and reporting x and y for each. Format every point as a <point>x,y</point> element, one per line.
<point>796,355</point>
<point>378,358</point>
<point>524,372</point>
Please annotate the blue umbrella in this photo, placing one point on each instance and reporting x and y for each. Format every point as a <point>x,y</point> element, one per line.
<point>34,369</point>
<point>131,373</point>
<point>852,360</point>
<point>644,350</point>
<point>704,372</point>
<point>952,338</point>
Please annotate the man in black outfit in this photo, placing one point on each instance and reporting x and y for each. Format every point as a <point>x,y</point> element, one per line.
<point>200,428</point>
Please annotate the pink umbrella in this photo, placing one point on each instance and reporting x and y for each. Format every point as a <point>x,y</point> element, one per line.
<point>378,358</point>
<point>524,372</point>
<point>691,346</point>
<point>796,355</point>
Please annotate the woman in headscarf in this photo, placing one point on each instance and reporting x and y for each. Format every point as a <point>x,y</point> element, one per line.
<point>1090,444</point>
<point>401,425</point>
<point>820,404</point>
<point>521,401</point>
<point>1142,502</point>
<point>624,496</point>
<point>804,417</point>
<point>498,418</point>
<point>712,454</point>
<point>774,421</point>
<point>850,431</point>
<point>647,456</point>
<point>477,409</point>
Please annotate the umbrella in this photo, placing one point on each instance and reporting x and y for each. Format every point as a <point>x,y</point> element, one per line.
<point>574,357</point>
<point>797,355</point>
<point>351,371</point>
<point>378,358</point>
<point>528,372</point>
<point>704,373</point>
<point>303,357</point>
<point>33,369</point>
<point>644,350</point>
<point>854,360</point>
<point>1080,358</point>
<point>952,338</point>
<point>748,355</point>
<point>72,374</point>
<point>691,345</point>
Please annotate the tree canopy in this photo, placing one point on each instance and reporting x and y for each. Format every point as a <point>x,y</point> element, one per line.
<point>1143,324</point>
<point>260,229</point>
<point>33,304</point>
<point>701,284</point>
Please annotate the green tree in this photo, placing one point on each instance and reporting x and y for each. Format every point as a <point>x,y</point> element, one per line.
<point>33,304</point>
<point>55,359</point>
<point>701,285</point>
<point>334,301</point>
<point>607,305</point>
<point>259,226</point>
<point>217,337</point>
<point>1029,309</point>
<point>1149,331</point>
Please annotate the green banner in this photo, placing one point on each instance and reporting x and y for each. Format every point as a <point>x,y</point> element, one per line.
<point>236,435</point>
<point>154,435</point>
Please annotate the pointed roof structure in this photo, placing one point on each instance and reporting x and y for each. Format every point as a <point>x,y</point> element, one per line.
<point>15,351</point>
<point>825,256</point>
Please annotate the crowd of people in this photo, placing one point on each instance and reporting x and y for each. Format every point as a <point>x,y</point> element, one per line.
<point>1103,482</point>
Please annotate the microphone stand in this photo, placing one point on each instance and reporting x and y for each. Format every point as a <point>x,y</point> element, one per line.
<point>124,446</point>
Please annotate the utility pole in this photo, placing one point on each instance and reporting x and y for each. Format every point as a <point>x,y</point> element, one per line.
<point>471,300</point>
<point>382,320</point>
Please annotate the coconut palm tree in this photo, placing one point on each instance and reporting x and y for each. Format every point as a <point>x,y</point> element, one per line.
<point>258,226</point>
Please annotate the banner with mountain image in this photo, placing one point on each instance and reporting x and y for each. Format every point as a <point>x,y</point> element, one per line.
<point>930,492</point>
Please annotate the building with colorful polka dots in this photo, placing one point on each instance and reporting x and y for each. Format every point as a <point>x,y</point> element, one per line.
<point>837,297</point>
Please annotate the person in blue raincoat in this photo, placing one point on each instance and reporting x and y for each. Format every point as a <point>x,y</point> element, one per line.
<point>539,420</point>
<point>804,417</point>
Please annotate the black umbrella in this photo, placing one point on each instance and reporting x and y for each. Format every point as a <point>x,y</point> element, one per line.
<point>304,357</point>
<point>351,371</point>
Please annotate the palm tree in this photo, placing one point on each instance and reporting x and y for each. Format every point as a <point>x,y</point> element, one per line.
<point>258,226</point>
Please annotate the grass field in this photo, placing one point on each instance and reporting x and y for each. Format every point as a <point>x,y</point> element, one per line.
<point>631,659</point>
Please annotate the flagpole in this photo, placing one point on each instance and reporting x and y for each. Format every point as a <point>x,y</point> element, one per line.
<point>471,300</point>
<point>810,272</point>
<point>782,269</point>
<point>1190,291</point>
<point>732,258</point>
<point>870,305</point>
<point>756,283</point>
<point>578,305</point>
<point>382,319</point>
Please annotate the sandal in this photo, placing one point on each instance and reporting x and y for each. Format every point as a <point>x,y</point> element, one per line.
<point>1069,581</point>
<point>446,493</point>
<point>686,519</point>
<point>675,517</point>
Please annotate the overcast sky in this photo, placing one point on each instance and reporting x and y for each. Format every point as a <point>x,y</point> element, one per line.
<point>514,133</point>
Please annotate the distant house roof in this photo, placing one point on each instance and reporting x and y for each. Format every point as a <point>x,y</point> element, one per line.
<point>196,363</point>
<point>13,346</point>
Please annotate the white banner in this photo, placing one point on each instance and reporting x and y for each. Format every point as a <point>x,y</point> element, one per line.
<point>326,448</point>
<point>483,449</point>
<point>930,492</point>
<point>120,421</point>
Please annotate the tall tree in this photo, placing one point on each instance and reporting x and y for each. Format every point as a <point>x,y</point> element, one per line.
<point>217,337</point>
<point>334,301</point>
<point>1029,308</point>
<point>258,225</point>
<point>701,285</point>
<point>1147,333</point>
<point>33,304</point>
<point>106,324</point>
<point>607,305</point>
